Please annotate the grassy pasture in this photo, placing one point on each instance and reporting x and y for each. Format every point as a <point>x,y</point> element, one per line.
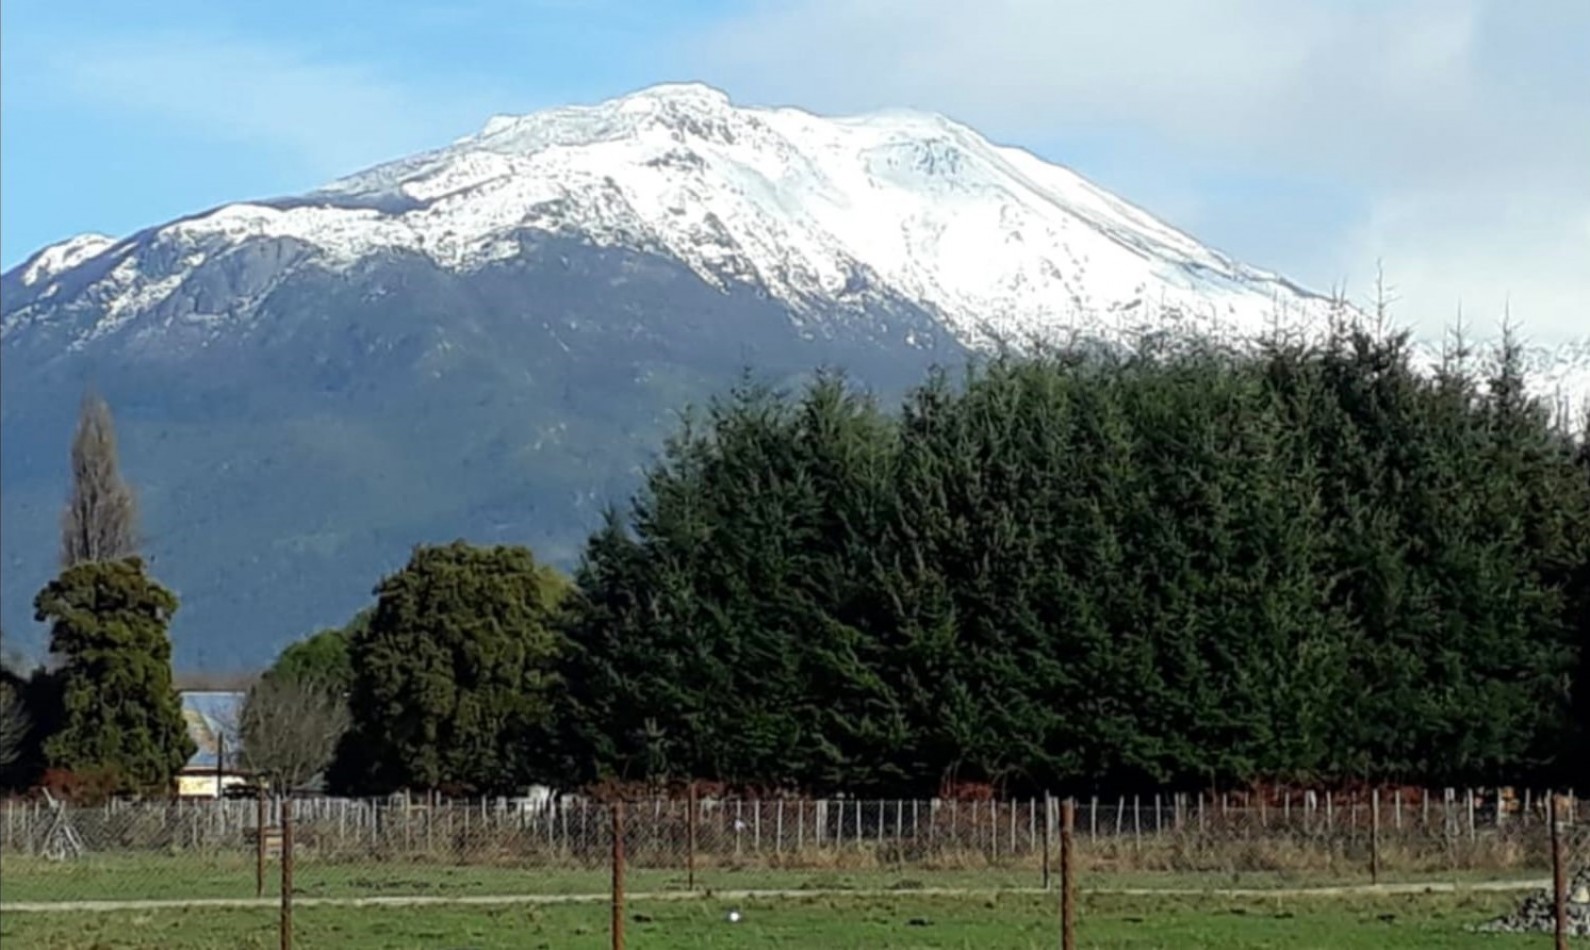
<point>903,920</point>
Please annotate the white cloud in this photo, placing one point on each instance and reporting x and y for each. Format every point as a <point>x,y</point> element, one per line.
<point>1459,125</point>
<point>329,118</point>
<point>1523,252</point>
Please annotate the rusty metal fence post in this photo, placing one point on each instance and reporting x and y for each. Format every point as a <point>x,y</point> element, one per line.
<point>618,874</point>
<point>1374,836</point>
<point>287,873</point>
<point>690,838</point>
<point>1559,874</point>
<point>1048,819</point>
<point>1068,876</point>
<point>259,844</point>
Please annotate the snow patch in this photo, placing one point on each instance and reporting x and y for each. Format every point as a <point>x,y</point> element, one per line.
<point>59,258</point>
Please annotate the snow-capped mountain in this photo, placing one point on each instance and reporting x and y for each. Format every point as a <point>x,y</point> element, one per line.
<point>815,211</point>
<point>491,338</point>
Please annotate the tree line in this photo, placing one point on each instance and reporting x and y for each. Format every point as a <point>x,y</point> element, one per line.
<point>1098,570</point>
<point>103,717</point>
<point>1060,569</point>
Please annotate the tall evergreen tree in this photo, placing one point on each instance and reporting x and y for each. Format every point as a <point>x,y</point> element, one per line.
<point>1094,568</point>
<point>452,677</point>
<point>100,522</point>
<point>121,719</point>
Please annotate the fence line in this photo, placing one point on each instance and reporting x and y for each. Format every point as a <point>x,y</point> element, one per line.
<point>201,852</point>
<point>898,831</point>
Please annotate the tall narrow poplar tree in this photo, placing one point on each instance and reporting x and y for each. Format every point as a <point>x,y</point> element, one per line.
<point>100,522</point>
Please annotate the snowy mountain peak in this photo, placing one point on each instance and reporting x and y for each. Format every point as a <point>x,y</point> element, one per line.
<point>815,209</point>
<point>829,215</point>
<point>669,105</point>
<point>62,256</point>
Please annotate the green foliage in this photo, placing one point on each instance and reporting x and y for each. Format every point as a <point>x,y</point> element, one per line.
<point>39,695</point>
<point>119,714</point>
<point>452,675</point>
<point>1097,569</point>
<point>322,658</point>
<point>15,725</point>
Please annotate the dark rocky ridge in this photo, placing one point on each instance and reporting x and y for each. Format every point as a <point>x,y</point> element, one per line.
<point>292,450</point>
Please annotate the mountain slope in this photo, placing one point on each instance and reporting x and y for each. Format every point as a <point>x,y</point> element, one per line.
<point>816,211</point>
<point>490,339</point>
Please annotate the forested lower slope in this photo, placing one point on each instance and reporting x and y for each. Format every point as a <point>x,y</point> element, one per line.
<point>1067,569</point>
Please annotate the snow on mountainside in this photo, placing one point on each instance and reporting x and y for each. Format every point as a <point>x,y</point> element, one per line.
<point>815,211</point>
<point>59,258</point>
<point>992,239</point>
<point>490,340</point>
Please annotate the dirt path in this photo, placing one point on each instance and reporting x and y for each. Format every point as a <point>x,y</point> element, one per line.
<point>1354,890</point>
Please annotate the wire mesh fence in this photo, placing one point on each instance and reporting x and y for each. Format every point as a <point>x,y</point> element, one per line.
<point>449,849</point>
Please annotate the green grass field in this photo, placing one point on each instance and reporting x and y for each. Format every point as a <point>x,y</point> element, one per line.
<point>189,876</point>
<point>889,907</point>
<point>1426,921</point>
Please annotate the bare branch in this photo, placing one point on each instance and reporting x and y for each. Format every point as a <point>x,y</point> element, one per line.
<point>290,729</point>
<point>101,518</point>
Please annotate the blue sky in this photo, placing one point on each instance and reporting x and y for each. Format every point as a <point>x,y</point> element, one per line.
<point>1448,139</point>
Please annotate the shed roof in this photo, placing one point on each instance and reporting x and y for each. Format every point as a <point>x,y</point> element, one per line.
<point>212,716</point>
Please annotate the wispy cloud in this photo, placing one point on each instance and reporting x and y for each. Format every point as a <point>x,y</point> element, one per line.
<point>1457,125</point>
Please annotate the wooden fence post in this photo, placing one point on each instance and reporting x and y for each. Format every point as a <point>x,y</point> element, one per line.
<point>259,844</point>
<point>618,874</point>
<point>1068,876</point>
<point>1374,836</point>
<point>690,840</point>
<point>1048,815</point>
<point>1559,874</point>
<point>287,873</point>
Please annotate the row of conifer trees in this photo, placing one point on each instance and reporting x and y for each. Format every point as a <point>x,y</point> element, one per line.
<point>1059,570</point>
<point>1064,570</point>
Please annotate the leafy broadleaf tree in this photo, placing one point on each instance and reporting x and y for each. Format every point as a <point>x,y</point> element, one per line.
<point>100,522</point>
<point>322,658</point>
<point>120,716</point>
<point>453,677</point>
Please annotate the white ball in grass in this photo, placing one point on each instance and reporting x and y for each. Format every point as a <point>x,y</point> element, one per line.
<point>734,916</point>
